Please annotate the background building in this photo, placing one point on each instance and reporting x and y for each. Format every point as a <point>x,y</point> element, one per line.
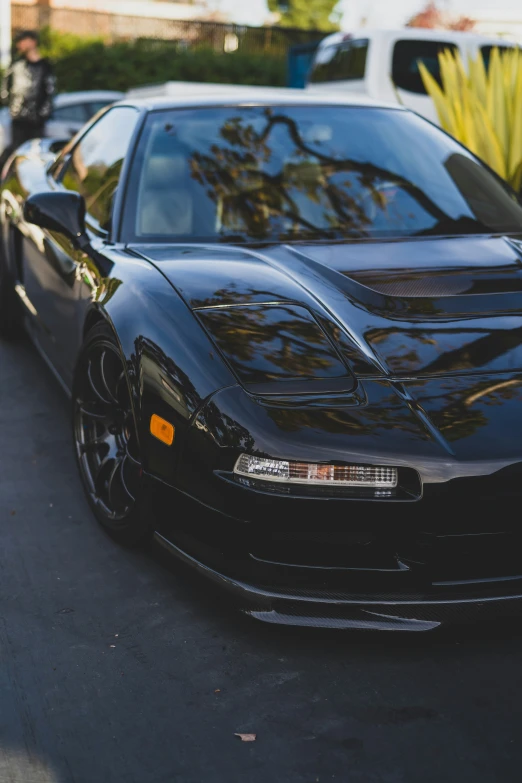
<point>183,10</point>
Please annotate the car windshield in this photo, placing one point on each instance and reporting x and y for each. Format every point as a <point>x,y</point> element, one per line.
<point>309,172</point>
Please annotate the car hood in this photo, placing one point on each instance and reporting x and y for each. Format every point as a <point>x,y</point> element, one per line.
<point>415,308</point>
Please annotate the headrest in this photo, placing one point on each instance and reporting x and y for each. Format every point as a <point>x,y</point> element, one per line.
<point>164,171</point>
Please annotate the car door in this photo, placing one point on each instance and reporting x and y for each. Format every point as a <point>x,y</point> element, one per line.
<point>53,268</point>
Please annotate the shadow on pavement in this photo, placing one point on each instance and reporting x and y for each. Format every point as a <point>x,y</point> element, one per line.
<point>122,666</point>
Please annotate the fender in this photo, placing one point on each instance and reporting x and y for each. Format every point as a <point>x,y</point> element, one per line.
<point>172,366</point>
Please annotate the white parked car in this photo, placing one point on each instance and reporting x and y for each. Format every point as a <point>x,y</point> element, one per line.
<point>71,110</point>
<point>383,64</point>
<point>176,89</point>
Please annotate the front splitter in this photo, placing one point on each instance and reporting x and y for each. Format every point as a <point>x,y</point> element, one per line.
<point>333,610</point>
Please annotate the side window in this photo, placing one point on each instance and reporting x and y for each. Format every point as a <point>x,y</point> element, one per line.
<point>75,112</point>
<point>344,62</point>
<point>95,106</point>
<point>96,161</point>
<point>405,64</point>
<point>486,52</point>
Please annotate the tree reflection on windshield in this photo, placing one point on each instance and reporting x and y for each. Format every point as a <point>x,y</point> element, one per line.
<point>265,182</point>
<point>281,173</point>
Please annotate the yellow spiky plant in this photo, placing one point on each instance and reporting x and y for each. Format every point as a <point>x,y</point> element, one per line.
<point>483,110</point>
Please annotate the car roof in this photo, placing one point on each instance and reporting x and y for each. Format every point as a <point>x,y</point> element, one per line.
<point>416,33</point>
<point>193,94</point>
<point>84,96</point>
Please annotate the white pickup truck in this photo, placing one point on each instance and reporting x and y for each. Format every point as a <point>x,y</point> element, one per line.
<point>383,64</point>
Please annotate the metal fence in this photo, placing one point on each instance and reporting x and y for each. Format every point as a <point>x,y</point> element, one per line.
<point>114,27</point>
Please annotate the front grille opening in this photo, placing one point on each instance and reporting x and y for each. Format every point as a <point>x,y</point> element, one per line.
<point>462,559</point>
<point>353,551</point>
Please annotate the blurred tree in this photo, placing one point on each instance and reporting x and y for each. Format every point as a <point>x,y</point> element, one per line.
<point>462,24</point>
<point>428,18</point>
<point>307,14</point>
<point>431,17</point>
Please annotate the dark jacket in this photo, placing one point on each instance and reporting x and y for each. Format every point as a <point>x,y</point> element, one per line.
<point>28,88</point>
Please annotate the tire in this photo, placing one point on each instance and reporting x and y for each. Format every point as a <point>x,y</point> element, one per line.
<point>105,439</point>
<point>11,316</point>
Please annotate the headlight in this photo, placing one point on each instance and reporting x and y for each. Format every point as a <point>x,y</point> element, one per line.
<point>277,349</point>
<point>364,476</point>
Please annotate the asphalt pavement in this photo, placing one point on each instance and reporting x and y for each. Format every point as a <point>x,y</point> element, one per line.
<point>118,667</point>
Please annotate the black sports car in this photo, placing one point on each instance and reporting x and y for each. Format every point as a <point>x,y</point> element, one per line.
<point>291,328</point>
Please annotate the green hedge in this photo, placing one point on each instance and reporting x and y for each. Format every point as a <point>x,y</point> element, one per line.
<point>90,64</point>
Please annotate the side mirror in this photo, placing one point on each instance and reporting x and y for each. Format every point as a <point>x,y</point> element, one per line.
<point>63,212</point>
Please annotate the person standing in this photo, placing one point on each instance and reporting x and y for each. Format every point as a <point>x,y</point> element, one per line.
<point>28,88</point>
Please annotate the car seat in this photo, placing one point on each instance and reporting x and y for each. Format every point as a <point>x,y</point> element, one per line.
<point>165,203</point>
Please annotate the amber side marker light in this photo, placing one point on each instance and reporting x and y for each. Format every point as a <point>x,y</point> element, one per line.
<point>162,430</point>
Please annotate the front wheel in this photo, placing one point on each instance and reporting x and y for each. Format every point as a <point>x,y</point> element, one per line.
<point>105,439</point>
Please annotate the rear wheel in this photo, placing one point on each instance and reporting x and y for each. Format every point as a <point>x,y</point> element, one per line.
<point>105,439</point>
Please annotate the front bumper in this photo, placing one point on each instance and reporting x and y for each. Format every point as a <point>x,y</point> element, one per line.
<point>329,609</point>
<point>446,550</point>
<point>292,568</point>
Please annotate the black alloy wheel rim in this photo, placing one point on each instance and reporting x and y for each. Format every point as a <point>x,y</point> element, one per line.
<point>105,433</point>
